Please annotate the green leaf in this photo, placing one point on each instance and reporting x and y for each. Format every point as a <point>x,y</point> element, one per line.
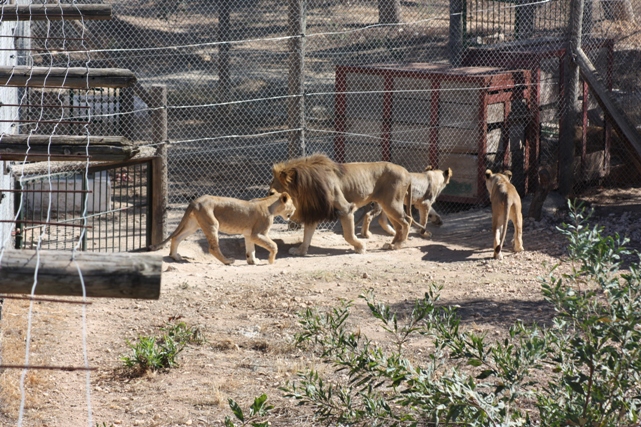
<point>238,412</point>
<point>474,362</point>
<point>484,374</point>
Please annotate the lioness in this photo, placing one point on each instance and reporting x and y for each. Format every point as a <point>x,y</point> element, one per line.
<point>213,214</point>
<point>325,190</point>
<point>426,187</point>
<point>506,205</point>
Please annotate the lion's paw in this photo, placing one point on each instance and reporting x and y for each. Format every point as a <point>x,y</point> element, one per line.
<point>299,251</point>
<point>426,234</point>
<point>229,261</point>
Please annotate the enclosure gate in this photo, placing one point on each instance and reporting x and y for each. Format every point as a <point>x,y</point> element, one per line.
<point>115,197</point>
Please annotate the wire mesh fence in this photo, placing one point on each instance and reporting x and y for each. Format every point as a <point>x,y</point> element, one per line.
<point>254,82</point>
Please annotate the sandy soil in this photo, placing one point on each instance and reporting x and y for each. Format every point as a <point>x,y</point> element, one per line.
<point>247,314</point>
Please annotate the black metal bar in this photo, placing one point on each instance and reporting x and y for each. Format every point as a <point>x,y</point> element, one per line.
<point>149,203</point>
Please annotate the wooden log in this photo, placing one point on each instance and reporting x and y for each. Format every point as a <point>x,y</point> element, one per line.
<point>66,148</point>
<point>113,275</point>
<point>55,12</point>
<point>23,139</point>
<point>68,78</point>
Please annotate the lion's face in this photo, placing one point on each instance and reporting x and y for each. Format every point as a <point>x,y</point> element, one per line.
<point>282,180</point>
<point>275,187</point>
<point>286,208</point>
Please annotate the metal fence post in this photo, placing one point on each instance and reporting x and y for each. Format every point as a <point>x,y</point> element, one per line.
<point>457,28</point>
<point>296,102</point>
<point>159,184</point>
<point>571,97</point>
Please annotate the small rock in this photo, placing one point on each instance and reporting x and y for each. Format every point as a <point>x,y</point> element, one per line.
<point>365,276</point>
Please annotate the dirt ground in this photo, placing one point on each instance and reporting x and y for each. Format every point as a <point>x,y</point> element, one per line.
<point>247,314</point>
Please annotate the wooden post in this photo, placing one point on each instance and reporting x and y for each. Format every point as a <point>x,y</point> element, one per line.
<point>571,97</point>
<point>160,186</point>
<point>116,275</point>
<point>457,22</point>
<point>296,102</point>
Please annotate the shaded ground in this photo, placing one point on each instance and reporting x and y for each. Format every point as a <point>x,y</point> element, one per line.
<point>247,315</point>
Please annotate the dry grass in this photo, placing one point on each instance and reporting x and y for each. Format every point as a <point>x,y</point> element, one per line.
<point>12,352</point>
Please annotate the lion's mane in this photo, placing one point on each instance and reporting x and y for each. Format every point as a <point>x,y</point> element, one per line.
<point>311,181</point>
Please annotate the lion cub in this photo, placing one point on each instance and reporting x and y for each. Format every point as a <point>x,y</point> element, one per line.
<point>426,187</point>
<point>213,214</point>
<point>506,205</point>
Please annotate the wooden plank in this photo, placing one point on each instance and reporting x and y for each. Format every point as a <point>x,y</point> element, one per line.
<point>66,153</point>
<point>55,12</point>
<point>23,139</point>
<point>66,148</point>
<point>69,78</point>
<point>609,106</point>
<point>113,275</point>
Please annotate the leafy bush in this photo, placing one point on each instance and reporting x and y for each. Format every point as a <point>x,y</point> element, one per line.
<point>155,353</point>
<point>259,409</point>
<point>583,370</point>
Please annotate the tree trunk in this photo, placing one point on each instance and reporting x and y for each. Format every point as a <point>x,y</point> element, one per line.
<point>389,11</point>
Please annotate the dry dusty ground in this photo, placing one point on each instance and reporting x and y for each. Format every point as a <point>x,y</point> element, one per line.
<point>247,315</point>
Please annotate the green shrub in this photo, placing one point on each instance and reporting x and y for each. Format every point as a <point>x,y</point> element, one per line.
<point>155,353</point>
<point>258,410</point>
<point>583,370</point>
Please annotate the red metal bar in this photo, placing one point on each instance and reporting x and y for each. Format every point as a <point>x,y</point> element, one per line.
<point>44,191</point>
<point>28,221</point>
<point>2,104</point>
<point>38,299</point>
<point>46,121</point>
<point>53,368</point>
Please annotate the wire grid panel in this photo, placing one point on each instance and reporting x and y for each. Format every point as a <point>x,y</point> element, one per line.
<point>111,205</point>
<point>227,67</point>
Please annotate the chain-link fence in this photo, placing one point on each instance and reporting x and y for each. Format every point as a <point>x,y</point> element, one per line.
<point>252,82</point>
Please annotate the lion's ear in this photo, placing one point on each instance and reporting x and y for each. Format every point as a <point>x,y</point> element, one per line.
<point>488,174</point>
<point>284,198</point>
<point>428,168</point>
<point>508,174</point>
<point>286,177</point>
<point>447,173</point>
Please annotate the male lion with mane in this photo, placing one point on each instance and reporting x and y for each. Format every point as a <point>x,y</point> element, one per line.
<point>324,190</point>
<point>426,187</point>
<point>251,218</point>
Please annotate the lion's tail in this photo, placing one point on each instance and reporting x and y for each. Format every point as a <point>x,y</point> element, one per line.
<point>408,209</point>
<point>181,226</point>
<point>504,230</point>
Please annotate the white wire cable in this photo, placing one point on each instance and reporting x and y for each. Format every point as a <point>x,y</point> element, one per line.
<point>284,38</point>
<point>38,247</point>
<point>82,234</point>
